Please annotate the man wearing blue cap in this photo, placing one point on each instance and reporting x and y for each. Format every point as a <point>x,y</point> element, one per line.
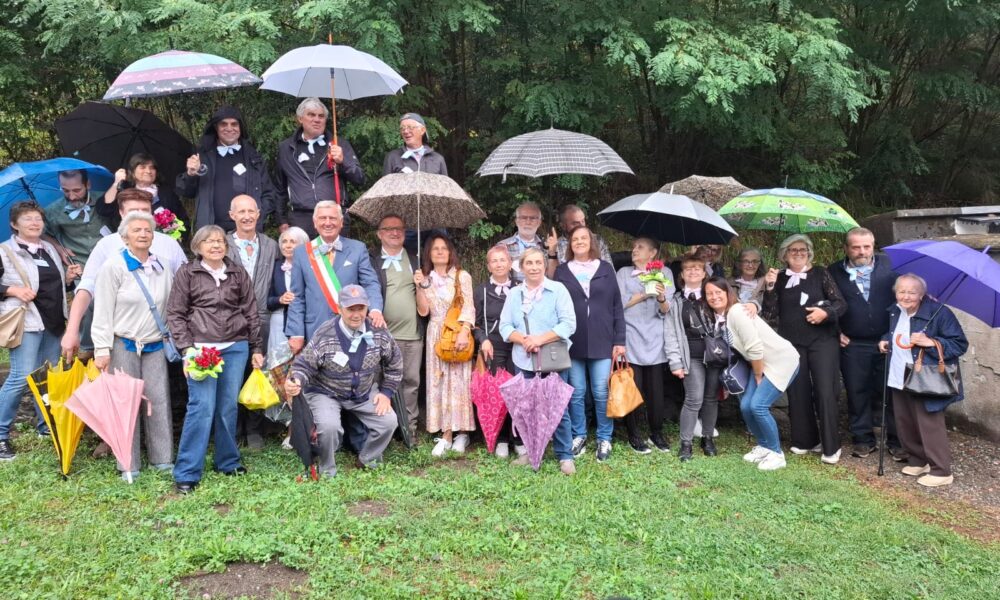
<point>338,371</point>
<point>415,155</point>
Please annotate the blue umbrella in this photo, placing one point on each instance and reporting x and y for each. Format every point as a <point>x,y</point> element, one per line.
<point>955,274</point>
<point>39,181</point>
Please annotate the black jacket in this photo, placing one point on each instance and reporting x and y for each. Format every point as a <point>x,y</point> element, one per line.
<point>431,162</point>
<point>866,320</point>
<point>600,318</point>
<point>302,189</point>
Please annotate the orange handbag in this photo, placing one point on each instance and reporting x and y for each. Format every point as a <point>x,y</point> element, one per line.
<point>445,348</point>
<point>623,394</point>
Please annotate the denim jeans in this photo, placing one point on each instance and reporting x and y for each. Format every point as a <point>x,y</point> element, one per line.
<point>36,348</point>
<point>755,404</point>
<point>562,439</point>
<point>212,402</point>
<point>599,370</point>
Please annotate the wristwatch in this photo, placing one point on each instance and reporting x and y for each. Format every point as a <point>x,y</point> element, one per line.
<point>424,285</point>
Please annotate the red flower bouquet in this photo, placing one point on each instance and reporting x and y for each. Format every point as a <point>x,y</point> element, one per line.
<point>168,223</point>
<point>207,363</point>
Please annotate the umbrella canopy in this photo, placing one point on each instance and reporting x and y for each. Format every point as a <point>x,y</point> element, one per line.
<point>110,406</point>
<point>536,406</point>
<point>305,72</point>
<point>52,387</point>
<point>490,407</point>
<point>711,191</point>
<point>423,200</point>
<point>553,152</point>
<point>667,218</point>
<point>39,181</point>
<point>402,418</point>
<point>178,72</point>
<point>109,135</point>
<point>955,274</point>
<point>304,438</point>
<point>782,209</point>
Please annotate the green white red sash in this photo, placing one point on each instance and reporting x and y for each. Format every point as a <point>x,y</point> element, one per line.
<point>322,267</point>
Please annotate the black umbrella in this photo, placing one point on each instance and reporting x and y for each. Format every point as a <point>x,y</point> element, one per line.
<point>403,418</point>
<point>108,135</point>
<point>303,435</point>
<point>667,218</point>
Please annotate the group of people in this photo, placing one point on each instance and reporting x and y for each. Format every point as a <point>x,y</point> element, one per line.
<point>365,323</point>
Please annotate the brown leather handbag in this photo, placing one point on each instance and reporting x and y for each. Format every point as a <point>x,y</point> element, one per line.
<point>623,394</point>
<point>12,322</point>
<point>445,348</point>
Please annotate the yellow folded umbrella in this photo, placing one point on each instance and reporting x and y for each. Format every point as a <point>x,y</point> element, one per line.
<point>52,387</point>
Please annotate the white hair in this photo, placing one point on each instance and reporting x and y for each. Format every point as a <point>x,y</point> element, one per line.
<point>328,204</point>
<point>788,241</point>
<point>136,215</point>
<point>310,104</point>
<point>920,281</point>
<point>297,234</point>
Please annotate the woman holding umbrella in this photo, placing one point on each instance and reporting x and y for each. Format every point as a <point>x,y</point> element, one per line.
<point>142,173</point>
<point>925,330</point>
<point>806,302</point>
<point>127,335</point>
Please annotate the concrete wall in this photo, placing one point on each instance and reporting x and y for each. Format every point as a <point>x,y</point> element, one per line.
<point>980,411</point>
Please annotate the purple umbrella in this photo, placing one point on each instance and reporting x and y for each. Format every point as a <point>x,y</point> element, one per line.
<point>956,274</point>
<point>536,406</point>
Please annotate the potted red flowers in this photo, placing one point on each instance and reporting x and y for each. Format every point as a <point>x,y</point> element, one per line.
<point>207,363</point>
<point>652,276</point>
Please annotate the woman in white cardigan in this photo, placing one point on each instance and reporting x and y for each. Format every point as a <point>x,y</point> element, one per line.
<point>127,337</point>
<point>774,362</point>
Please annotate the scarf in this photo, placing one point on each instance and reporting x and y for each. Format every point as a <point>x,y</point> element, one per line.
<point>225,150</point>
<point>415,153</point>
<point>501,288</point>
<point>75,212</point>
<point>356,336</point>
<point>696,292</point>
<point>219,275</point>
<point>395,261</point>
<point>286,266</point>
<point>794,278</point>
<point>328,248</point>
<point>319,140</point>
<point>861,276</point>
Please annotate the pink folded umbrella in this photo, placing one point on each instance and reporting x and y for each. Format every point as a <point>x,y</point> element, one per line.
<point>536,406</point>
<point>490,407</point>
<point>110,406</point>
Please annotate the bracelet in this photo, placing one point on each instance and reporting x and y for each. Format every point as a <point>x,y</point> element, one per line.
<point>425,285</point>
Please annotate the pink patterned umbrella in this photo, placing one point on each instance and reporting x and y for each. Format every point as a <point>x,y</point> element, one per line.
<point>110,406</point>
<point>536,406</point>
<point>489,403</point>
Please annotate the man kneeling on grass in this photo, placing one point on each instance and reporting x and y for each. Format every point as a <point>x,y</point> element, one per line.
<point>338,370</point>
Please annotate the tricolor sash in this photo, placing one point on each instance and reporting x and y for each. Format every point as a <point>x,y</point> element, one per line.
<point>322,267</point>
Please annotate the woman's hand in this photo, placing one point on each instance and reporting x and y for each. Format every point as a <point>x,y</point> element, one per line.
<point>486,349</point>
<point>120,176</point>
<point>751,309</point>
<point>617,352</point>
<point>921,339</point>
<point>24,294</point>
<point>73,272</point>
<point>771,278</point>
<point>286,298</point>
<point>816,315</point>
<point>257,360</point>
<point>531,343</point>
<point>102,362</point>
<point>758,377</point>
<point>883,347</point>
<point>462,341</point>
<point>679,373</point>
<point>418,279</point>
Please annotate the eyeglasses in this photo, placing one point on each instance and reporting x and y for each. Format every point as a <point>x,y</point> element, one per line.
<point>392,229</point>
<point>214,242</point>
<point>750,262</point>
<point>797,251</point>
<point>528,218</point>
<point>405,128</point>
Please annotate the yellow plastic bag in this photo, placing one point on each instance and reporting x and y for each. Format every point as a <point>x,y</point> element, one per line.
<point>257,393</point>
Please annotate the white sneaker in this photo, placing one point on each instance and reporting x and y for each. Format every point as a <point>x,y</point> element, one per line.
<point>831,459</point>
<point>460,443</point>
<point>756,454</point>
<point>440,447</point>
<point>520,450</point>
<point>772,462</point>
<point>818,448</point>
<point>502,450</point>
<point>286,444</point>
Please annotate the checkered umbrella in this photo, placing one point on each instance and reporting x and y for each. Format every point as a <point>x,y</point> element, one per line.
<point>710,191</point>
<point>553,152</point>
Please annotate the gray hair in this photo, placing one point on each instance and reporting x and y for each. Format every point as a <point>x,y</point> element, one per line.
<point>857,232</point>
<point>136,215</point>
<point>310,103</point>
<point>792,239</point>
<point>529,205</point>
<point>328,204</point>
<point>203,234</point>
<point>650,242</point>
<point>921,282</point>
<point>531,252</point>
<point>297,234</point>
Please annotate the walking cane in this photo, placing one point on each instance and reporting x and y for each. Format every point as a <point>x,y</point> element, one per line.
<point>882,435</point>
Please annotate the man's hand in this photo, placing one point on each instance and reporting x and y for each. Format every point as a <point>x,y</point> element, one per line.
<point>292,387</point>
<point>296,344</point>
<point>844,341</point>
<point>70,344</point>
<point>486,349</point>
<point>337,154</point>
<point>377,319</point>
<point>73,271</point>
<point>24,294</point>
<point>193,165</point>
<point>883,347</point>
<point>679,373</point>
<point>530,343</point>
<point>382,404</point>
<point>102,362</point>
<point>552,242</point>
<point>816,315</point>
<point>283,227</point>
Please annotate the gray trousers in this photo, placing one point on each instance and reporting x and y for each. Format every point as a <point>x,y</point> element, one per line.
<point>413,360</point>
<point>330,431</point>
<point>152,369</point>
<point>701,399</point>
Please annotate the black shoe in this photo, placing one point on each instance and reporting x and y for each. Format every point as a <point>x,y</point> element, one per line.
<point>7,450</point>
<point>899,455</point>
<point>639,446</point>
<point>659,442</point>
<point>708,446</point>
<point>862,450</point>
<point>685,453</point>
<point>185,487</point>
<point>240,470</point>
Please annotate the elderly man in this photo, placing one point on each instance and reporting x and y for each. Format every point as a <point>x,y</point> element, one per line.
<point>865,281</point>
<point>395,267</point>
<point>226,165</point>
<point>307,166</point>
<point>528,219</point>
<point>339,370</point>
<point>572,216</point>
<point>415,155</point>
<point>320,269</point>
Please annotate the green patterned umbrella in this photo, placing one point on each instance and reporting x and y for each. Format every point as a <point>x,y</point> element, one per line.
<point>791,211</point>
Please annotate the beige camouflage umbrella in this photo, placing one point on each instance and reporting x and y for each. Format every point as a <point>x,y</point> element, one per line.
<point>711,191</point>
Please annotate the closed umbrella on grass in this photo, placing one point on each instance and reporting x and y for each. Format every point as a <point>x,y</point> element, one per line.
<point>52,388</point>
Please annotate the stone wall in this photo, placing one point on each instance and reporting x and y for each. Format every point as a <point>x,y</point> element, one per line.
<point>980,411</point>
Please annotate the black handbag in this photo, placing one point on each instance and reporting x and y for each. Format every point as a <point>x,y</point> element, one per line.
<point>941,382</point>
<point>717,350</point>
<point>736,376</point>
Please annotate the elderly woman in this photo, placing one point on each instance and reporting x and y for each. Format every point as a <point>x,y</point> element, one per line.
<point>773,362</point>
<point>488,301</point>
<point>212,303</point>
<point>599,338</point>
<point>449,403</point>
<point>805,301</point>
<point>748,276</point>
<point>915,323</point>
<point>32,276</point>
<point>281,294</point>
<point>142,173</point>
<point>537,312</point>
<point>127,337</point>
<point>644,341</point>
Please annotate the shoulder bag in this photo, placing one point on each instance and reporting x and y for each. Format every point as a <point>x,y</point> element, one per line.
<point>717,351</point>
<point>941,382</point>
<point>623,394</point>
<point>12,322</point>
<point>551,357</point>
<point>169,348</point>
<point>446,346</point>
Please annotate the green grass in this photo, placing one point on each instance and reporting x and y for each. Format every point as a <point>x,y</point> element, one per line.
<point>638,526</point>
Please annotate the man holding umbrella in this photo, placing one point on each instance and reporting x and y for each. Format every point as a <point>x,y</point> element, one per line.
<point>226,165</point>
<point>310,168</point>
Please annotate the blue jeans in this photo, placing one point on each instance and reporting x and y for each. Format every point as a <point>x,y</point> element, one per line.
<point>562,439</point>
<point>36,348</point>
<point>755,404</point>
<point>599,370</point>
<point>212,402</point>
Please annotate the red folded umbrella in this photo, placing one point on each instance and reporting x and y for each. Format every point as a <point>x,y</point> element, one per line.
<point>489,403</point>
<point>110,406</point>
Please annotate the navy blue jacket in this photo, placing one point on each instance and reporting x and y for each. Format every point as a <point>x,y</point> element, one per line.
<point>866,320</point>
<point>945,328</point>
<point>600,319</point>
<point>277,287</point>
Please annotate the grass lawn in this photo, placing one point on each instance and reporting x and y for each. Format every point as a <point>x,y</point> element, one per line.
<point>475,527</point>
